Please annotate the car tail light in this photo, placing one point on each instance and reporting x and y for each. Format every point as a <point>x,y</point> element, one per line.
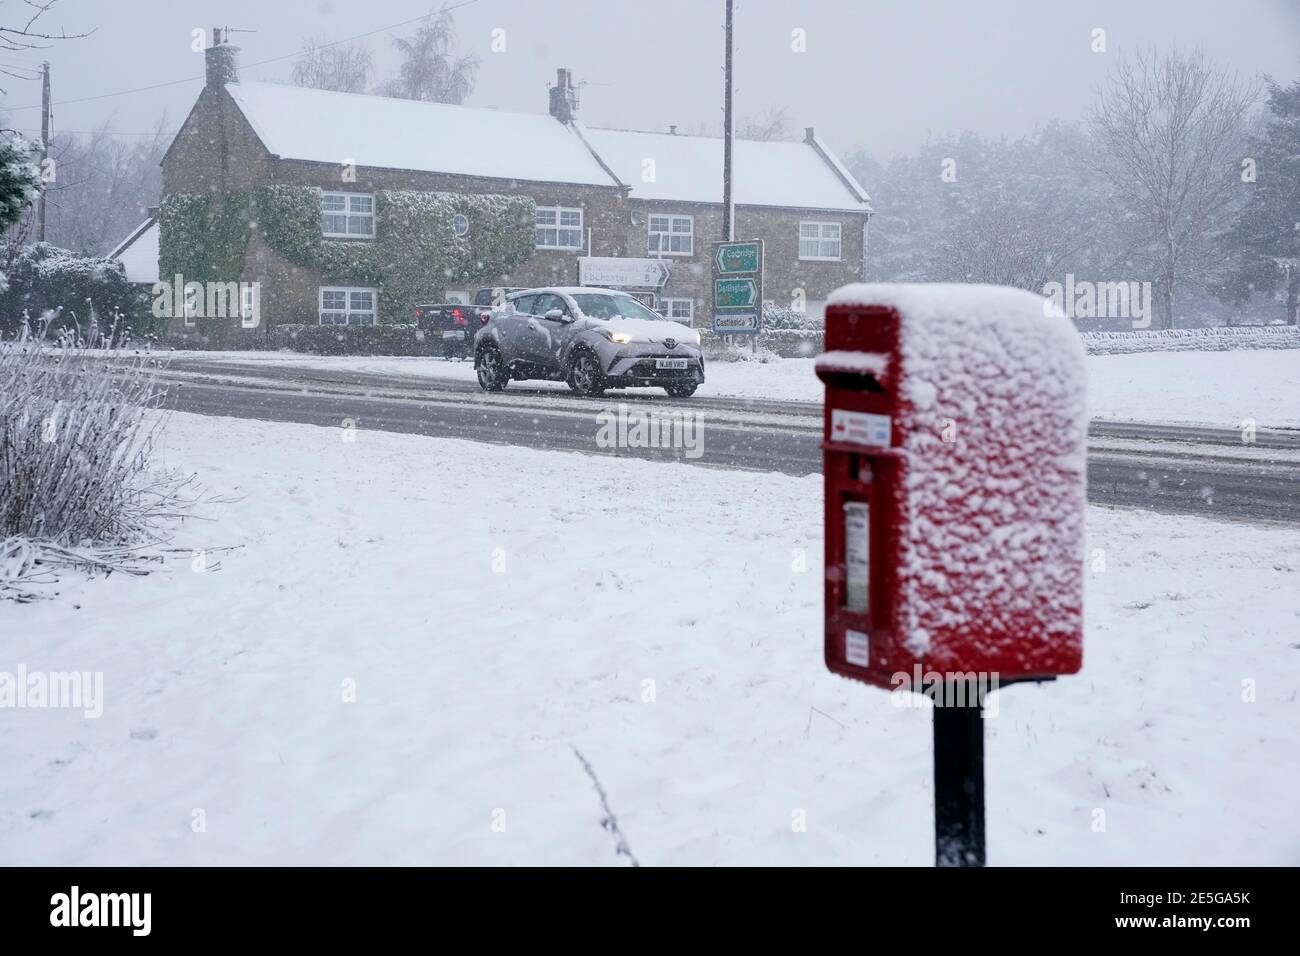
<point>483,317</point>
<point>459,319</point>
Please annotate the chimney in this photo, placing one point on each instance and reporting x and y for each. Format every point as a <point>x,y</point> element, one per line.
<point>808,134</point>
<point>672,130</point>
<point>564,97</point>
<point>220,61</point>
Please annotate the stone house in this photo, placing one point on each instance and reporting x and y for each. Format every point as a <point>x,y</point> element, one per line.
<point>598,192</point>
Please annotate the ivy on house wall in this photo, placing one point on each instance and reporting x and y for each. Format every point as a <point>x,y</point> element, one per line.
<point>413,257</point>
<point>290,221</point>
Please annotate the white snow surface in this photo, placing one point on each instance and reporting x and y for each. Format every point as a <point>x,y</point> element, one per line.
<point>371,561</point>
<point>323,126</point>
<point>140,257</point>
<point>300,123</point>
<point>870,363</point>
<point>1212,388</point>
<point>689,169</point>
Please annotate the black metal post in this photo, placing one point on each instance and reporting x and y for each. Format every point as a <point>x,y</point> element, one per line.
<point>959,781</point>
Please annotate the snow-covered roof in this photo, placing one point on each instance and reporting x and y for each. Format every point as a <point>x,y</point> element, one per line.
<point>318,125</point>
<point>689,169</point>
<point>322,126</point>
<point>138,253</point>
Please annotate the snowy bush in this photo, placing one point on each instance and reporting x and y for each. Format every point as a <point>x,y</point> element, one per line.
<point>1217,339</point>
<point>778,317</point>
<point>76,431</point>
<point>20,180</point>
<point>774,343</point>
<point>81,289</point>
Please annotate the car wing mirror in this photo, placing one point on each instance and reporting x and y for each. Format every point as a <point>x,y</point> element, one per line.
<point>555,315</point>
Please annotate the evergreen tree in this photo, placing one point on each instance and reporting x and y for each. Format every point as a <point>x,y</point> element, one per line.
<point>1265,239</point>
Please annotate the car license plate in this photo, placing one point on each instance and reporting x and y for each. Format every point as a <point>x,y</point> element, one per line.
<point>454,334</point>
<point>670,363</point>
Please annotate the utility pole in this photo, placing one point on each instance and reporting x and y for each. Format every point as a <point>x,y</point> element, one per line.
<point>45,148</point>
<point>728,207</point>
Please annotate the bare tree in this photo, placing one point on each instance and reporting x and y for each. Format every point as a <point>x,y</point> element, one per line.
<point>429,69</point>
<point>1170,130</point>
<point>103,185</point>
<point>342,67</point>
<point>24,35</point>
<point>767,127</point>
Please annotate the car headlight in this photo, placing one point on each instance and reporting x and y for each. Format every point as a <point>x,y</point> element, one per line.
<point>619,338</point>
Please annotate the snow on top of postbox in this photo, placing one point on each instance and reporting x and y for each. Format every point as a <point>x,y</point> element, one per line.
<point>862,363</point>
<point>992,423</point>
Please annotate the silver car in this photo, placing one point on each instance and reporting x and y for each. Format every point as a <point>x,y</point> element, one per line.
<point>593,339</point>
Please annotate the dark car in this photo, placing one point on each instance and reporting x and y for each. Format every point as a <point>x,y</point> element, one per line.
<point>451,324</point>
<point>593,339</point>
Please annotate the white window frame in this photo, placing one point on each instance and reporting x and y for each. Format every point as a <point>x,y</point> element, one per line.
<point>673,219</point>
<point>246,301</point>
<point>190,306</point>
<point>348,214</point>
<point>459,297</point>
<point>347,309</point>
<point>821,239</point>
<point>665,304</point>
<point>557,226</point>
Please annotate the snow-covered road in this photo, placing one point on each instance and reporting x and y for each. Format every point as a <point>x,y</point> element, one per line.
<point>663,619</point>
<point>1204,388</point>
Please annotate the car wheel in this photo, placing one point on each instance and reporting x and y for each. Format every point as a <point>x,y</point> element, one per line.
<point>682,391</point>
<point>492,372</point>
<point>585,376</point>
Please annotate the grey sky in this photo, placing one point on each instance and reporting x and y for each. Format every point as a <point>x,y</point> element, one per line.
<point>876,74</point>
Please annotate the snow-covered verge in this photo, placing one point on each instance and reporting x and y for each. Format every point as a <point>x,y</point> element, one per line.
<point>1212,388</point>
<point>1219,339</point>
<point>649,615</point>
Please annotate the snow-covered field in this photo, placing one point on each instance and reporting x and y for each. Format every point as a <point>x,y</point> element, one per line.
<point>652,615</point>
<point>1215,388</point>
<point>1211,388</point>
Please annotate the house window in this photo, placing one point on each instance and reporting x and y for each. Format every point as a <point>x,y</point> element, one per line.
<point>679,310</point>
<point>348,306</point>
<point>672,235</point>
<point>559,227</point>
<point>348,215</point>
<point>247,304</point>
<point>191,304</point>
<point>819,240</point>
<point>460,298</point>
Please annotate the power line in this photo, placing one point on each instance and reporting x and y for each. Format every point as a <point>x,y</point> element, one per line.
<point>93,132</point>
<point>246,66</point>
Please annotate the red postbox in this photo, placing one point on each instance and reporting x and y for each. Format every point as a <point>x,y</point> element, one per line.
<point>955,470</point>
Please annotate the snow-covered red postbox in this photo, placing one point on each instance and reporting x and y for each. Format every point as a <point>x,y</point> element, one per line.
<point>955,470</point>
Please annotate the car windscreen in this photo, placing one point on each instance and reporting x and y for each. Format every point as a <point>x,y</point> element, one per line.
<point>596,306</point>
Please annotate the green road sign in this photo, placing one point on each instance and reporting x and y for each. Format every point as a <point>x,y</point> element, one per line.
<point>735,293</point>
<point>735,258</point>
